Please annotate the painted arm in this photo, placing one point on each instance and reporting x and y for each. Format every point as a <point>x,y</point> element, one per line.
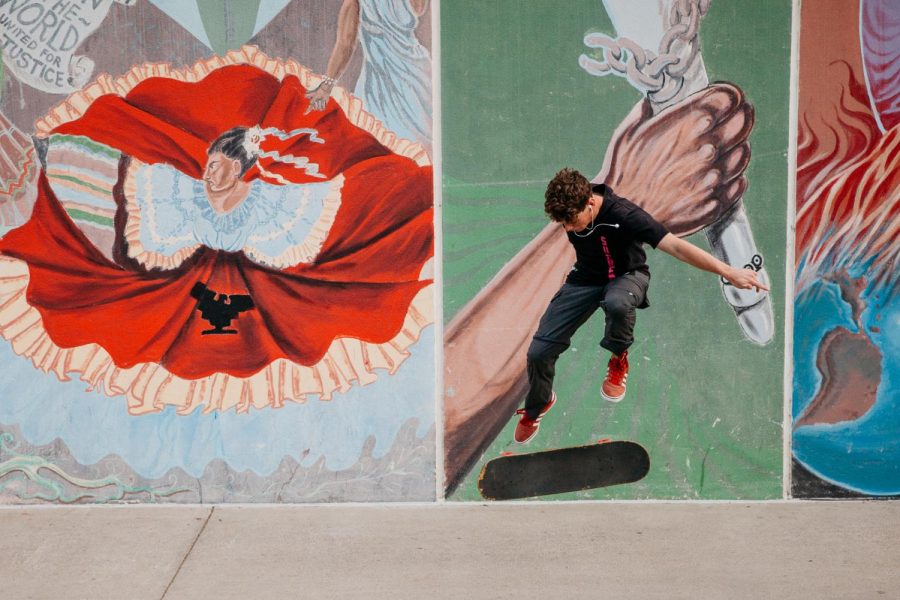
<point>21,160</point>
<point>345,42</point>
<point>418,7</point>
<point>485,344</point>
<point>701,259</point>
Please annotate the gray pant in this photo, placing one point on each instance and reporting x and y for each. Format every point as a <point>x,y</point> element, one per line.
<point>569,309</point>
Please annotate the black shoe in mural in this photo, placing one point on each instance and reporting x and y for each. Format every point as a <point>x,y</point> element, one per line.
<point>219,309</point>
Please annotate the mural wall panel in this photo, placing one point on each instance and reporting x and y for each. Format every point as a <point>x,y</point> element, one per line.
<point>216,267</point>
<point>697,139</point>
<point>217,278</point>
<point>845,398</point>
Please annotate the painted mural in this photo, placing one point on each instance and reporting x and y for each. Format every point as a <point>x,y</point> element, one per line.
<point>704,391</point>
<point>217,245</point>
<point>846,418</point>
<point>216,262</point>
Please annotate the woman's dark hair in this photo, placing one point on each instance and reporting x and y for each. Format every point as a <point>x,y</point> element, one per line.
<point>567,194</point>
<point>231,144</point>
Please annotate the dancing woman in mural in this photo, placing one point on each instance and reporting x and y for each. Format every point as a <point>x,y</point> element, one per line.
<point>152,208</point>
<point>395,81</point>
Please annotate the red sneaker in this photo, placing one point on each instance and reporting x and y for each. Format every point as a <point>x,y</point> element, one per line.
<point>528,427</point>
<point>613,388</point>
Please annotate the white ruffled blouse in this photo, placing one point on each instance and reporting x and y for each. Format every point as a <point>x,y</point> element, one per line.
<point>170,217</point>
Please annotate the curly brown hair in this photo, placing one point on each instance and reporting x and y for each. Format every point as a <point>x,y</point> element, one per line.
<point>567,194</point>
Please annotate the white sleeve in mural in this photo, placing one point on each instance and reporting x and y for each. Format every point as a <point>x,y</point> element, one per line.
<point>395,81</point>
<point>40,38</point>
<point>658,52</point>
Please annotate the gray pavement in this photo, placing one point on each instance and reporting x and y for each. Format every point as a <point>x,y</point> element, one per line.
<point>468,551</point>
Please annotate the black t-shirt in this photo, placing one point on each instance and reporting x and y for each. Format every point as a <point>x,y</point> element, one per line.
<point>615,244</point>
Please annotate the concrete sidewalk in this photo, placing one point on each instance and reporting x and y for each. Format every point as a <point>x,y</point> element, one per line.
<point>467,551</point>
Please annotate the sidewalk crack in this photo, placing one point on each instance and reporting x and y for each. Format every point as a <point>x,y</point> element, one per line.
<point>188,553</point>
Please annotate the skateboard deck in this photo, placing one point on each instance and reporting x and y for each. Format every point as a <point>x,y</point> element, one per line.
<point>563,470</point>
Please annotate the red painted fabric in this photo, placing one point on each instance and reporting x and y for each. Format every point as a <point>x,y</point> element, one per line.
<point>360,286</point>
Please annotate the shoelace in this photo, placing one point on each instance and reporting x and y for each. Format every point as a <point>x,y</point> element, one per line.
<point>615,371</point>
<point>522,411</point>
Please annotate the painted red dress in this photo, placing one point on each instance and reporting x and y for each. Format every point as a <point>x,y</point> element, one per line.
<point>324,319</point>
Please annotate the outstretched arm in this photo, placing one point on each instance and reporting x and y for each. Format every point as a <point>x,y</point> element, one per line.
<point>347,27</point>
<point>687,252</point>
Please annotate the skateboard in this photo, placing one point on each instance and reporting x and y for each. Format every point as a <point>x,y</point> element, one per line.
<point>563,470</point>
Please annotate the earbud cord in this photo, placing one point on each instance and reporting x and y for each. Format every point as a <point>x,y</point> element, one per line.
<point>590,229</point>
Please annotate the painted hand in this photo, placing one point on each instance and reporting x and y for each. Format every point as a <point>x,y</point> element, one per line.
<point>685,165</point>
<point>318,97</point>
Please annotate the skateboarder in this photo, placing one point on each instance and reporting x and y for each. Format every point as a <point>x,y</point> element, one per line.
<point>608,233</point>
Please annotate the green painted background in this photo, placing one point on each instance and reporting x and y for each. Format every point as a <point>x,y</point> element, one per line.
<point>228,23</point>
<point>516,106</point>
